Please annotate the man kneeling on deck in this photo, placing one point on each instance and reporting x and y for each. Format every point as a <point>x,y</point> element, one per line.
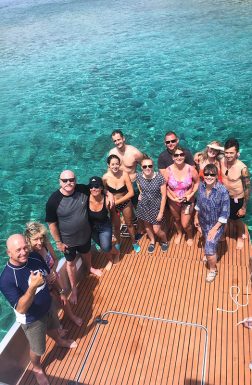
<point>24,284</point>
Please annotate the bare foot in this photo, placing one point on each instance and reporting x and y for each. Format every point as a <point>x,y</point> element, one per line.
<point>62,332</point>
<point>73,297</point>
<point>240,243</point>
<point>109,266</point>
<point>41,377</point>
<point>70,344</point>
<point>78,321</point>
<point>189,242</point>
<point>178,239</point>
<point>96,272</point>
<point>116,259</point>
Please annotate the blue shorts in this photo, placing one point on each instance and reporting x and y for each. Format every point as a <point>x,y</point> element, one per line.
<point>102,235</point>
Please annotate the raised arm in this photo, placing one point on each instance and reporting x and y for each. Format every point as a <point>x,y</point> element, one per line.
<point>26,300</point>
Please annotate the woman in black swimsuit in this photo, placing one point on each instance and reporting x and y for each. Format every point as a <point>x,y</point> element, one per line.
<point>98,213</point>
<point>119,184</point>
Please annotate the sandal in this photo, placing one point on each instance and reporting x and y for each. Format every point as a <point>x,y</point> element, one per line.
<point>211,276</point>
<point>151,248</point>
<point>164,246</point>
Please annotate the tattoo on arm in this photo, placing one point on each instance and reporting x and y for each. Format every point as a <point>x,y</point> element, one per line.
<point>246,184</point>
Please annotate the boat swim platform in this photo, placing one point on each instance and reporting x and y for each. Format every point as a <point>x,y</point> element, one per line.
<point>132,345</point>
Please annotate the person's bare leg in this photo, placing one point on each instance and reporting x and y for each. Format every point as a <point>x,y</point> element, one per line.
<point>212,262</point>
<point>78,321</point>
<point>149,232</point>
<point>116,222</point>
<point>128,217</point>
<point>176,213</point>
<point>63,343</point>
<point>71,271</point>
<point>37,369</point>
<point>240,231</point>
<point>160,233</point>
<point>187,226</point>
<point>87,259</point>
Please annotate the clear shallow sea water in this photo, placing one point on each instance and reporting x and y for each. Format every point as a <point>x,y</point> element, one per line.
<point>72,71</point>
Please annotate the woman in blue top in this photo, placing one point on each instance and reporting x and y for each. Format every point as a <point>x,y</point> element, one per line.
<point>212,212</point>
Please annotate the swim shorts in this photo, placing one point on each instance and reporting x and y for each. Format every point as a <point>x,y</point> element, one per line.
<point>70,252</point>
<point>235,207</point>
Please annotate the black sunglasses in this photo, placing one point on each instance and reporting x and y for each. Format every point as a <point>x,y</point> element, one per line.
<point>171,141</point>
<point>209,174</point>
<point>68,180</point>
<point>180,154</point>
<point>147,166</point>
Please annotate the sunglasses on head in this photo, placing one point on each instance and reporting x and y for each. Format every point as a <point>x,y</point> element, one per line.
<point>68,180</point>
<point>171,141</point>
<point>147,166</point>
<point>209,174</point>
<point>180,154</point>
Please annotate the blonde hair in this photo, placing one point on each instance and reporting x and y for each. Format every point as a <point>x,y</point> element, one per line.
<point>204,153</point>
<point>34,228</point>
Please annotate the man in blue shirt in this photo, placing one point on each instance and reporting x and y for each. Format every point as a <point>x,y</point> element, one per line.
<point>23,282</point>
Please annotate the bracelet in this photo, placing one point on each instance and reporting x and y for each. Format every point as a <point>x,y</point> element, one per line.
<point>61,291</point>
<point>57,241</point>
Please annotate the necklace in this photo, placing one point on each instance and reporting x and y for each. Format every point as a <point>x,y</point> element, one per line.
<point>227,170</point>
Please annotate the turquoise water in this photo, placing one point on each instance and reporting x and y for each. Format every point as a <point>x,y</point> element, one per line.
<point>72,71</point>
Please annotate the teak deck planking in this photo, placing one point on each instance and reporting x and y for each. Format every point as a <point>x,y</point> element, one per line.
<point>168,285</point>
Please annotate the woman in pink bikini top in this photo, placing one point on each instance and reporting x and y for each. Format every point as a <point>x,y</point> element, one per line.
<point>182,184</point>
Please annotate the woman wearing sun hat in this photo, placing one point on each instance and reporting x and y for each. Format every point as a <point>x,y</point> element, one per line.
<point>211,155</point>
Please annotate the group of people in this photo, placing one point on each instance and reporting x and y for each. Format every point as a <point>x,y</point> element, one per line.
<point>202,192</point>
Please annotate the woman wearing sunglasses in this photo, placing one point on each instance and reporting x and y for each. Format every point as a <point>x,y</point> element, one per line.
<point>119,184</point>
<point>212,212</point>
<point>211,155</point>
<point>182,184</point>
<point>151,204</point>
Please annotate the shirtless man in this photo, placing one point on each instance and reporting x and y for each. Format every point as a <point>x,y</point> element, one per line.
<point>235,177</point>
<point>165,158</point>
<point>130,156</point>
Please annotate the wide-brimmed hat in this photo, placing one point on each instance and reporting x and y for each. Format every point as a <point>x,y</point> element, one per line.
<point>96,182</point>
<point>215,147</point>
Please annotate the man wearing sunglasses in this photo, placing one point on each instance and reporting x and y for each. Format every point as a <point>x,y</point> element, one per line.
<point>67,217</point>
<point>165,158</point>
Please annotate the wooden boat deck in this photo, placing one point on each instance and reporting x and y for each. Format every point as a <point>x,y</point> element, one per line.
<point>132,350</point>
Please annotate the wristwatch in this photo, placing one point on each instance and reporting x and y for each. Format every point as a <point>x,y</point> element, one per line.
<point>61,291</point>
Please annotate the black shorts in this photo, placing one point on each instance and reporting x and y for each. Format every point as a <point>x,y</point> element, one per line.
<point>235,207</point>
<point>71,251</point>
